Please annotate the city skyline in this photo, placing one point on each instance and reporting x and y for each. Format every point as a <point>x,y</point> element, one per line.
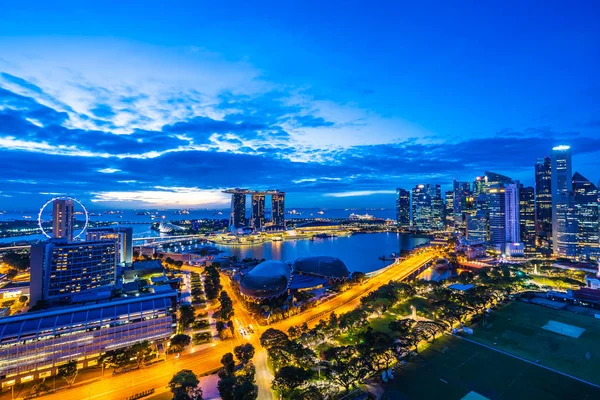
<point>143,115</point>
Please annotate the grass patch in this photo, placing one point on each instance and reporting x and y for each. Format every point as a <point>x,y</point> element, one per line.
<point>422,305</point>
<point>467,367</point>
<point>556,282</point>
<point>517,329</point>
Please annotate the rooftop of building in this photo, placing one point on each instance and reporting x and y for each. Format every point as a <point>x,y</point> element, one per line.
<point>79,308</point>
<point>461,287</point>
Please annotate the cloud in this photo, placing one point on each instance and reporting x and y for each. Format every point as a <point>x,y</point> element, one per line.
<point>109,170</point>
<point>165,197</point>
<point>359,193</point>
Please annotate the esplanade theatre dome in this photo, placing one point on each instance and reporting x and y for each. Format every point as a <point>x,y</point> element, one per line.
<point>321,266</point>
<point>268,279</point>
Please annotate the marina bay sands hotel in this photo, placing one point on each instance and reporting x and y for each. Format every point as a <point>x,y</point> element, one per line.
<point>257,219</point>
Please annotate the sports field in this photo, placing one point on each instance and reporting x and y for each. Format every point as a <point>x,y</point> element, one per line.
<point>467,367</point>
<point>522,329</point>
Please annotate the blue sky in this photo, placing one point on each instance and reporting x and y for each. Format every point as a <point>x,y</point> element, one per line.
<point>337,103</point>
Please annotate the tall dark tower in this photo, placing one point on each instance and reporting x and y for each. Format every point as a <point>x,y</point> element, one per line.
<point>278,208</point>
<point>238,210</point>
<point>527,219</point>
<point>543,198</point>
<point>403,207</point>
<point>586,210</point>
<point>258,211</point>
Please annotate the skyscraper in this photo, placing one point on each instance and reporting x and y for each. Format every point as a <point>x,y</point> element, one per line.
<point>479,186</point>
<point>564,221</point>
<point>495,184</point>
<point>258,211</point>
<point>278,209</point>
<point>449,210</point>
<point>543,198</point>
<point>497,209</point>
<point>462,191</point>
<point>437,207</point>
<point>60,270</point>
<point>63,219</point>
<point>478,223</point>
<point>527,219</point>
<point>586,210</point>
<point>402,207</point>
<point>238,210</point>
<point>511,213</point>
<point>427,207</point>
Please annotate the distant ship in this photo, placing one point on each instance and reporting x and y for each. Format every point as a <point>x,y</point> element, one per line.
<point>181,212</point>
<point>320,212</point>
<point>144,213</point>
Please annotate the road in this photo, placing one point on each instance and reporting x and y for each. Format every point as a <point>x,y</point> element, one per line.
<point>209,359</point>
<point>350,299</point>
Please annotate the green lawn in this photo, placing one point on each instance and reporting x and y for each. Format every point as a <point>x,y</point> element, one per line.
<point>421,304</point>
<point>467,367</point>
<point>556,282</point>
<point>517,329</point>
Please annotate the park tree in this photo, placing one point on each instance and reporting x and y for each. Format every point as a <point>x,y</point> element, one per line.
<point>244,353</point>
<point>187,315</point>
<point>294,332</point>
<point>142,352</point>
<point>289,378</point>
<point>226,312</point>
<point>346,366</point>
<point>228,363</point>
<point>184,386</point>
<point>273,337</point>
<point>226,386</point>
<point>179,343</point>
<point>68,372</point>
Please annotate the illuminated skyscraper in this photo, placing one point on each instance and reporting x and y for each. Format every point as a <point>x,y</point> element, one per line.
<point>421,208</point>
<point>527,219</point>
<point>478,223</point>
<point>586,210</point>
<point>258,211</point>
<point>479,186</point>
<point>63,219</point>
<point>427,207</point>
<point>402,207</point>
<point>543,198</point>
<point>564,221</point>
<point>449,210</point>
<point>511,213</point>
<point>278,209</point>
<point>437,207</point>
<point>462,191</point>
<point>497,210</point>
<point>238,210</point>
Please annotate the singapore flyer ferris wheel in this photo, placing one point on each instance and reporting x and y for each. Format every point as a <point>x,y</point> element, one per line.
<point>85,212</point>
